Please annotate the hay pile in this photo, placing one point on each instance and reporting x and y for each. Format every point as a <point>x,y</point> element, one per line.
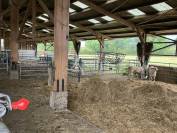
<point>126,106</point>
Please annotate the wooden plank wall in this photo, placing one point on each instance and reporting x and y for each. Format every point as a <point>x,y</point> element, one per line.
<point>167,74</point>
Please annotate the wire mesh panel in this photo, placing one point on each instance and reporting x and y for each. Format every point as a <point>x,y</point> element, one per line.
<point>33,69</point>
<point>4,60</point>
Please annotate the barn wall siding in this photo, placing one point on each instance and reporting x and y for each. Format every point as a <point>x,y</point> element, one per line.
<point>167,74</point>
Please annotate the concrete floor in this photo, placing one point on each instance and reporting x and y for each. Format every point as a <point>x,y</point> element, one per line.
<point>40,118</point>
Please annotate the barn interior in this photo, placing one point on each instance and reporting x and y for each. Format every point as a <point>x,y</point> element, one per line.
<point>70,94</point>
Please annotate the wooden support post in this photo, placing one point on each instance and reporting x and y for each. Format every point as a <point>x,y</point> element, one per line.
<point>61,35</point>
<point>58,97</point>
<point>6,43</point>
<point>176,49</point>
<point>34,25</point>
<point>34,19</point>
<point>77,45</point>
<point>142,37</point>
<point>101,56</point>
<point>24,19</point>
<point>0,45</point>
<point>1,17</point>
<point>14,21</point>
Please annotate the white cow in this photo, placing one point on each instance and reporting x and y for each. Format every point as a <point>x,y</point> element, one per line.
<point>135,71</point>
<point>152,71</point>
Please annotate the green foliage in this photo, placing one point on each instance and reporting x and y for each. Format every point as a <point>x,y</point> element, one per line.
<point>41,47</point>
<point>120,45</point>
<point>125,45</point>
<point>91,47</point>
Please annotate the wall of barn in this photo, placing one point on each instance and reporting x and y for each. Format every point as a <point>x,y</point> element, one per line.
<point>167,74</point>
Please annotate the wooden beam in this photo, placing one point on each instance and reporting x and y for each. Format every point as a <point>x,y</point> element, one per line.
<point>105,12</point>
<point>118,18</point>
<point>34,18</point>
<point>8,9</point>
<point>158,15</point>
<point>90,30</point>
<point>5,12</point>
<point>164,32</point>
<point>1,17</point>
<point>24,19</point>
<point>45,8</point>
<point>38,39</point>
<point>73,37</point>
<point>14,21</point>
<point>116,2</point>
<point>61,35</point>
<point>101,54</point>
<point>176,50</point>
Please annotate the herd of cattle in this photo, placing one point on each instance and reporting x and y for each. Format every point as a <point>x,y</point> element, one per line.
<point>143,72</point>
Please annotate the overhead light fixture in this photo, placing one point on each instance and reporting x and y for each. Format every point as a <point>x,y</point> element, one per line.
<point>80,4</point>
<point>45,14</point>
<point>136,12</point>
<point>162,6</point>
<point>71,10</point>
<point>107,18</point>
<point>8,29</point>
<point>27,24</point>
<point>2,44</point>
<point>25,35</point>
<point>94,21</point>
<point>50,30</point>
<point>45,30</point>
<point>72,25</point>
<point>42,18</point>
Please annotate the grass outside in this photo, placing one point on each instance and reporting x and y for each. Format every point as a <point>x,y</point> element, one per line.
<point>158,60</point>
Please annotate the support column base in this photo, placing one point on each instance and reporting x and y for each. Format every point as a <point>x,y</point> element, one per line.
<point>59,100</point>
<point>50,77</point>
<point>14,74</point>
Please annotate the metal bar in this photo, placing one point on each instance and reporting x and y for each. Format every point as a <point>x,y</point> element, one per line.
<point>163,42</point>
<point>164,37</point>
<point>161,55</point>
<point>162,48</point>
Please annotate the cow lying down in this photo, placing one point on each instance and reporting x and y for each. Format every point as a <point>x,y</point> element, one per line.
<point>139,72</point>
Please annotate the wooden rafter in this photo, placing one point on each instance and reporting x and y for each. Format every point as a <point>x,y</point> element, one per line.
<point>156,16</point>
<point>119,19</point>
<point>45,8</point>
<point>8,9</point>
<point>34,18</point>
<point>105,12</point>
<point>24,19</point>
<point>90,30</point>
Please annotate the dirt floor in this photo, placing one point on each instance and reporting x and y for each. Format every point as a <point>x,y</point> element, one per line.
<point>40,118</point>
<point>111,103</point>
<point>118,105</point>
